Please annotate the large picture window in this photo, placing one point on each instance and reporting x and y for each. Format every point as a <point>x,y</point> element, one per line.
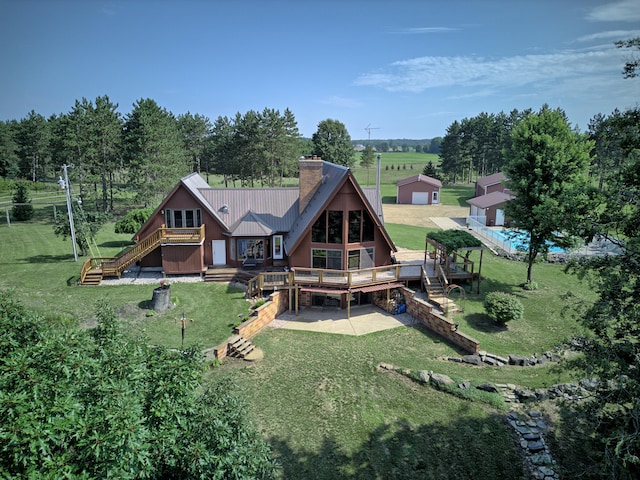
<point>255,248</point>
<point>334,227</point>
<point>328,228</point>
<point>361,227</point>
<point>182,218</point>
<point>319,229</point>
<point>328,259</point>
<point>360,258</point>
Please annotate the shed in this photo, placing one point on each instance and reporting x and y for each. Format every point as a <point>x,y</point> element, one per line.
<point>419,190</point>
<point>489,209</point>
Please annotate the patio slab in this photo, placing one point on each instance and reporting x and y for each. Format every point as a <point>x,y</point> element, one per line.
<point>364,320</point>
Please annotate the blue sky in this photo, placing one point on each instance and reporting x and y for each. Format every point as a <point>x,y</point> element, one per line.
<point>407,69</point>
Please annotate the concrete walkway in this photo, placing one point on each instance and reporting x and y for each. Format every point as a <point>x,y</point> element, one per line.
<point>365,319</point>
<point>446,223</point>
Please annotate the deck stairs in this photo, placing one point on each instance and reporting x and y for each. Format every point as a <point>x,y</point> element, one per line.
<point>437,294</point>
<point>226,274</point>
<point>239,347</point>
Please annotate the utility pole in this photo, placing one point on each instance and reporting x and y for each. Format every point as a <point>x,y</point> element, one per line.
<point>70,211</point>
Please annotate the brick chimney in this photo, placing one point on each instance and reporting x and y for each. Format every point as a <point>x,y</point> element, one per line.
<point>310,179</point>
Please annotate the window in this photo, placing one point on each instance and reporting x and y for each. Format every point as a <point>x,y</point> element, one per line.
<point>278,253</point>
<point>252,248</point>
<point>361,227</point>
<point>319,229</point>
<point>328,259</point>
<point>355,220</point>
<point>334,227</point>
<point>182,218</point>
<point>360,258</point>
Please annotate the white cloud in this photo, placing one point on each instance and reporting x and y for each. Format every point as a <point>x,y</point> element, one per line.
<point>621,11</point>
<point>610,35</point>
<point>419,74</point>
<point>422,30</point>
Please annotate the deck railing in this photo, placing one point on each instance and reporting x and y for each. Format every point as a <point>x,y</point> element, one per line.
<point>344,279</point>
<point>114,266</point>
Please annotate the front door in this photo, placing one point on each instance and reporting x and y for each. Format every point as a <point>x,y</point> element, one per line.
<point>219,252</point>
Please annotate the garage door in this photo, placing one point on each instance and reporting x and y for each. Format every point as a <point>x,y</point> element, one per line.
<point>420,198</point>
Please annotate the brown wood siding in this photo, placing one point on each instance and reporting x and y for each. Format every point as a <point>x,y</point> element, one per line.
<point>405,191</point>
<point>346,199</point>
<point>153,259</point>
<point>178,259</point>
<point>182,199</point>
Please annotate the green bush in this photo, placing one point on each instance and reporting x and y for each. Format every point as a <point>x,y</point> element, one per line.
<point>133,220</point>
<point>503,307</point>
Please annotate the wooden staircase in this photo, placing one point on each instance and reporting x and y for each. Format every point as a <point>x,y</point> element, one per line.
<point>239,347</point>
<point>94,269</point>
<point>226,274</point>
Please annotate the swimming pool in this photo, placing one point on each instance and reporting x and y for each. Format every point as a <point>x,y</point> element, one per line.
<point>517,240</point>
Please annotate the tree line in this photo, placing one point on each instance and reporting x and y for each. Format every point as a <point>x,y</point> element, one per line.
<point>149,149</point>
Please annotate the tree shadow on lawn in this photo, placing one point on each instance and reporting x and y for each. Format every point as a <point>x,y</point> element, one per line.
<point>49,259</point>
<point>116,244</point>
<point>457,449</point>
<point>484,323</point>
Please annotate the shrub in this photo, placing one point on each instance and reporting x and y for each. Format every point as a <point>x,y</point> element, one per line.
<point>503,307</point>
<point>133,220</point>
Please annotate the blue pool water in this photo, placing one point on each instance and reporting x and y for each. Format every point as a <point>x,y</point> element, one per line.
<point>519,242</point>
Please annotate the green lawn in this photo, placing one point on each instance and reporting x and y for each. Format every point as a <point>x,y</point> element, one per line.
<point>40,268</point>
<point>318,398</point>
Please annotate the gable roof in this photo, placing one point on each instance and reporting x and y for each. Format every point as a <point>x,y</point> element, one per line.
<point>490,199</point>
<point>267,211</point>
<point>420,178</point>
<point>491,179</point>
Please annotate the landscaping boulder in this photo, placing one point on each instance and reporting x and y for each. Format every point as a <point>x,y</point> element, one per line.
<point>472,359</point>
<point>518,360</point>
<point>440,379</point>
<point>488,387</point>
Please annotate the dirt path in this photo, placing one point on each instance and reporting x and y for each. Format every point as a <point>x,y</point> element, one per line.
<point>421,215</point>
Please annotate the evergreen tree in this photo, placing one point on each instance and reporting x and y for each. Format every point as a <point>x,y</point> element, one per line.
<point>23,210</point>
<point>154,151</point>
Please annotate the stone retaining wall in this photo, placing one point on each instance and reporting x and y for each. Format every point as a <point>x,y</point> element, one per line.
<point>263,315</point>
<point>423,312</point>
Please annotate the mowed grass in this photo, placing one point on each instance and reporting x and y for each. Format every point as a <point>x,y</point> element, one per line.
<point>329,413</point>
<point>319,398</point>
<point>40,268</point>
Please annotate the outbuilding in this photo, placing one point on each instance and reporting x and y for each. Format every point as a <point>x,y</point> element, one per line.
<point>419,190</point>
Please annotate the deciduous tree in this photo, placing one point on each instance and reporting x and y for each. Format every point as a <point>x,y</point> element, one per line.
<point>332,143</point>
<point>101,403</point>
<point>546,166</point>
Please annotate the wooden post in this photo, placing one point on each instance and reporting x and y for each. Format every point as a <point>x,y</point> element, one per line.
<point>6,209</point>
<point>479,270</point>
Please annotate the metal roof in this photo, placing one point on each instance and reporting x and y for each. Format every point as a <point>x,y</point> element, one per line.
<point>491,179</point>
<point>275,209</point>
<point>490,199</point>
<point>420,178</point>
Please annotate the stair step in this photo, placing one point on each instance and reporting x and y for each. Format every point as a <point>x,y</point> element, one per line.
<point>239,347</point>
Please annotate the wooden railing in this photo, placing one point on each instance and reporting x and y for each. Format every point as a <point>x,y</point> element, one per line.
<point>332,278</point>
<point>114,266</point>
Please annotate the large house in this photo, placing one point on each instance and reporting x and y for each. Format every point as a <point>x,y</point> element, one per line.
<point>329,222</point>
<point>487,207</point>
